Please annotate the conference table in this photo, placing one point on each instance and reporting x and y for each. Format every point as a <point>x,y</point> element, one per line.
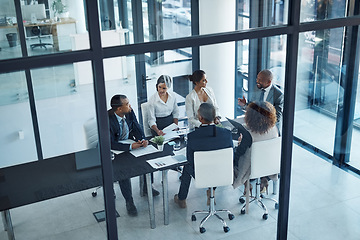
<point>45,179</point>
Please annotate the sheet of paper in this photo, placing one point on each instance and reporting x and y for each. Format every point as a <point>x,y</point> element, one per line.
<point>169,136</point>
<point>117,151</point>
<point>143,151</point>
<point>170,128</point>
<point>166,161</point>
<point>127,141</point>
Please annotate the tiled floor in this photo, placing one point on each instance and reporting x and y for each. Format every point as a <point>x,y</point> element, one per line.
<point>323,205</point>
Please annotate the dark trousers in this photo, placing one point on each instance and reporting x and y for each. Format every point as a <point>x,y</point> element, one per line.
<point>126,190</point>
<point>185,182</point>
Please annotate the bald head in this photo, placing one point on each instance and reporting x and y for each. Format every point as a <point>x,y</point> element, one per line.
<point>264,79</point>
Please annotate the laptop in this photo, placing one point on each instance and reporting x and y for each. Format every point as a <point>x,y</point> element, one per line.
<point>247,138</point>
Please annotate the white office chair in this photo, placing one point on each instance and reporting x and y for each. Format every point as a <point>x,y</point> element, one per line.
<point>265,161</point>
<point>145,119</point>
<point>213,169</point>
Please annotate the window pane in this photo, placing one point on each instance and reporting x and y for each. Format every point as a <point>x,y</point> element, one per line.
<point>312,10</point>
<point>52,27</point>
<point>16,129</point>
<point>319,87</point>
<point>64,102</point>
<point>9,34</point>
<point>259,13</point>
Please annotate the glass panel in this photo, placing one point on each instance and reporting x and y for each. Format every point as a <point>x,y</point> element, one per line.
<point>64,102</point>
<point>53,27</point>
<point>259,13</point>
<point>355,147</point>
<point>120,78</point>
<point>312,10</point>
<point>17,129</point>
<point>272,58</point>
<point>9,34</point>
<point>319,89</point>
<point>177,64</point>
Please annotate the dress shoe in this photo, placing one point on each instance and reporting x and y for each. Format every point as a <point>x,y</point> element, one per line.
<point>154,192</point>
<point>131,209</point>
<point>208,197</point>
<point>181,203</point>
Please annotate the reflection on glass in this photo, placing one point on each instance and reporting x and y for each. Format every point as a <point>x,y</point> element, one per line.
<point>313,10</point>
<point>272,58</point>
<point>53,27</point>
<point>9,34</point>
<point>319,87</point>
<point>64,102</point>
<point>249,14</point>
<point>355,144</point>
<point>17,135</point>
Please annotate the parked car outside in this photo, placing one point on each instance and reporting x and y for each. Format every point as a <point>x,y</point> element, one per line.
<point>168,10</point>
<point>182,15</point>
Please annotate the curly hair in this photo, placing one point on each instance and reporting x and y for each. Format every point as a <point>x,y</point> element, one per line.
<point>260,117</point>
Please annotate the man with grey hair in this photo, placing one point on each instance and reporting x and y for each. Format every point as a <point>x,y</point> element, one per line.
<point>205,138</point>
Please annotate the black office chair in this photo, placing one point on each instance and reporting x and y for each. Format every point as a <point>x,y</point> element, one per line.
<point>36,31</point>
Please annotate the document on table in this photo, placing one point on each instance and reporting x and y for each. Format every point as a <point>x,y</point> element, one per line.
<point>169,136</point>
<point>166,161</point>
<point>143,151</point>
<point>117,151</point>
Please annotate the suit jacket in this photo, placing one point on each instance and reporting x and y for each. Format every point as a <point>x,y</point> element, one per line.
<point>206,138</point>
<point>276,98</point>
<point>135,131</point>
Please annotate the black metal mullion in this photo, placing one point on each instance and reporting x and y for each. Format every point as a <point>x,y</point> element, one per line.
<point>102,119</point>
<point>195,31</point>
<point>288,119</point>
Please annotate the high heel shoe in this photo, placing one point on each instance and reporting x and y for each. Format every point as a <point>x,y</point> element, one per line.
<point>264,185</point>
<point>245,190</point>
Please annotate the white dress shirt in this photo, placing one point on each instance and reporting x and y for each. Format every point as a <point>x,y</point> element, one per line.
<point>159,108</point>
<point>192,104</point>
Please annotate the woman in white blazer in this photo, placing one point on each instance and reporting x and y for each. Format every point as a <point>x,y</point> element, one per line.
<point>200,94</point>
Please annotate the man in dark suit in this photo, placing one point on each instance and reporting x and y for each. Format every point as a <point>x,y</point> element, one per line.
<point>266,91</point>
<point>206,137</point>
<point>124,126</point>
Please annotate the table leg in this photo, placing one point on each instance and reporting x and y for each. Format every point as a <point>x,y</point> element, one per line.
<point>151,201</point>
<point>8,224</point>
<point>165,196</point>
<point>141,185</point>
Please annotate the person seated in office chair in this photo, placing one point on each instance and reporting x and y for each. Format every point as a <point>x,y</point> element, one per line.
<point>260,121</point>
<point>205,138</point>
<point>124,125</point>
<point>163,109</point>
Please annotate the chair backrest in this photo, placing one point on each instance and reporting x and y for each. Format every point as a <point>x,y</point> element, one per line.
<point>265,158</point>
<point>145,119</point>
<point>213,168</point>
<point>91,133</point>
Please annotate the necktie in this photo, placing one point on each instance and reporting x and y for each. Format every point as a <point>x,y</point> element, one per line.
<point>262,95</point>
<point>125,130</point>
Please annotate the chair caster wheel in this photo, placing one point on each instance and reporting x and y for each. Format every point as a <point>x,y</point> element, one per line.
<point>193,218</point>
<point>226,229</point>
<point>276,206</point>
<point>202,230</point>
<point>94,194</point>
<point>231,216</point>
<point>241,200</point>
<point>265,216</point>
<point>242,211</point>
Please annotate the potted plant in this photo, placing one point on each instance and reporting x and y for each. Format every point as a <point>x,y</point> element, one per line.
<point>59,8</point>
<point>159,140</point>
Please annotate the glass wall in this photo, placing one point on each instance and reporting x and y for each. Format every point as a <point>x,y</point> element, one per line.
<point>312,10</point>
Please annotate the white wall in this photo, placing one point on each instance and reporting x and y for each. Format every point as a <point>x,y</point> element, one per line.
<point>218,61</point>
